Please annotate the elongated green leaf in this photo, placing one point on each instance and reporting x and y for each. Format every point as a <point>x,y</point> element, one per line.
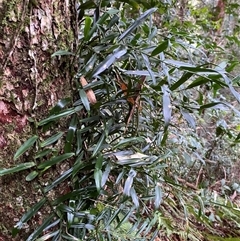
<point>181,64</point>
<point>96,14</point>
<point>98,146</point>
<point>189,119</point>
<point>181,81</point>
<point>210,105</point>
<point>140,73</point>
<point>84,99</point>
<point>17,168</point>
<point>99,162</point>
<point>31,176</point>
<point>113,21</point>
<point>206,71</point>
<point>129,182</point>
<point>43,153</point>
<point>87,5</point>
<point>133,3</point>
<point>79,142</point>
<point>59,106</point>
<point>48,236</point>
<point>114,216</point>
<point>59,180</point>
<point>199,81</point>
<point>62,52</point>
<point>167,109</point>
<point>134,197</point>
<point>78,165</point>
<point>100,21</point>
<point>43,226</point>
<point>28,215</point>
<point>126,217</point>
<point>55,160</point>
<point>25,146</point>
<point>137,23</point>
<point>70,214</point>
<point>158,196</point>
<point>148,65</point>
<point>88,67</point>
<point>160,48</point>
<point>62,114</point>
<point>70,135</point>
<point>117,54</point>
<point>129,141</point>
<point>105,175</point>
<point>98,178</point>
<point>164,138</point>
<point>87,26</point>
<point>51,139</point>
<point>231,88</point>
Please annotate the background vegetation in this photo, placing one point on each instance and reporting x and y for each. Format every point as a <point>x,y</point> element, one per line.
<point>144,142</point>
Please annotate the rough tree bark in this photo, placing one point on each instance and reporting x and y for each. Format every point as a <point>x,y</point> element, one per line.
<point>30,82</point>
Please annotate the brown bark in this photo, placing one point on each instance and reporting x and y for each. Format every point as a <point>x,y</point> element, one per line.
<point>30,83</point>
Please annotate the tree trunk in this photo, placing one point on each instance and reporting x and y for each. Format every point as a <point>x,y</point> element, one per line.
<point>31,82</point>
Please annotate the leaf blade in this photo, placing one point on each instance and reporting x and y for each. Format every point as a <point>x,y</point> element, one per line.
<point>25,146</point>
<point>17,168</point>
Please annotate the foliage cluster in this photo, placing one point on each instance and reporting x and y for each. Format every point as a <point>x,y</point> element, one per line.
<point>142,133</point>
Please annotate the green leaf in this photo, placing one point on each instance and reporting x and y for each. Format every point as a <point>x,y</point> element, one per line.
<point>189,119</point>
<point>25,146</point>
<point>55,160</point>
<point>210,105</point>
<point>87,5</point>
<point>148,65</point>
<point>59,180</point>
<point>88,67</point>
<point>31,176</point>
<point>87,26</point>
<point>28,215</point>
<point>129,182</point>
<point>167,109</point>
<point>62,114</point>
<point>140,73</point>
<point>17,168</point>
<point>100,21</point>
<point>43,226</point>
<point>134,197</point>
<point>70,135</point>
<point>113,21</point>
<point>129,141</point>
<point>43,153</point>
<point>160,48</point>
<point>79,142</point>
<point>197,82</point>
<point>49,235</point>
<point>98,146</point>
<point>78,165</point>
<point>117,54</point>
<point>105,175</point>
<point>136,24</point>
<point>59,106</point>
<point>51,139</point>
<point>84,99</point>
<point>99,162</point>
<point>98,178</point>
<point>158,196</point>
<point>231,88</point>
<point>180,64</point>
<point>133,3</point>
<point>181,81</point>
<point>61,53</point>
